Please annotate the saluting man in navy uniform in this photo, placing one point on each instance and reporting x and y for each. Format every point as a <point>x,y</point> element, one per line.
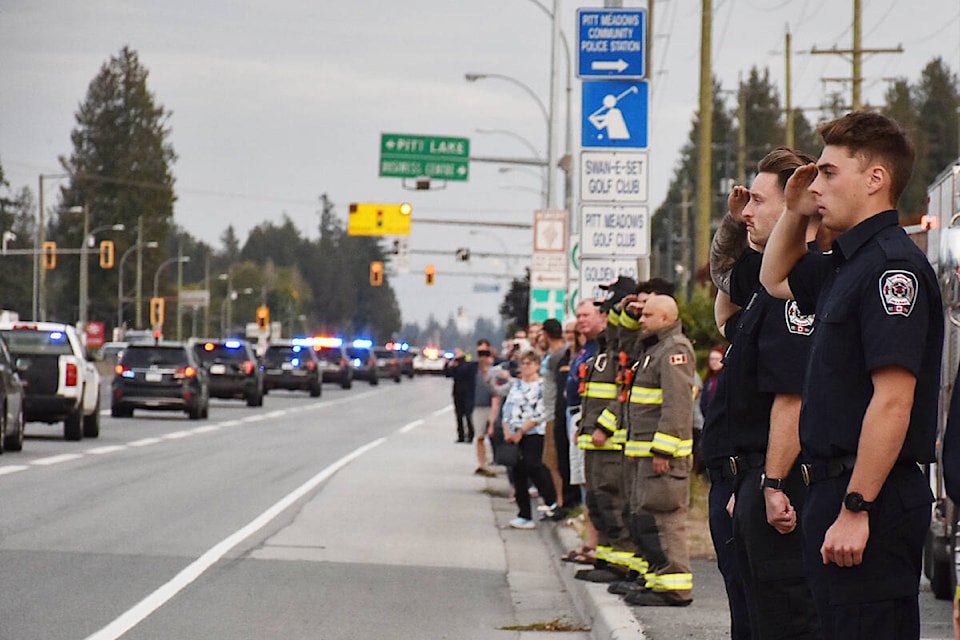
<point>868,418</point>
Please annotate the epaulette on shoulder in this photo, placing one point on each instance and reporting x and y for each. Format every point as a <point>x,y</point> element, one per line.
<point>896,246</point>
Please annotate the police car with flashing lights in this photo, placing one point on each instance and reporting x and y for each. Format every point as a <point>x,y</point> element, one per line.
<point>334,364</point>
<point>59,378</point>
<point>405,354</point>
<point>363,360</point>
<point>431,360</point>
<point>293,365</point>
<point>234,369</point>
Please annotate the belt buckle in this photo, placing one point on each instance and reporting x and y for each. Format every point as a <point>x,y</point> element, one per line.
<point>734,465</point>
<point>805,473</point>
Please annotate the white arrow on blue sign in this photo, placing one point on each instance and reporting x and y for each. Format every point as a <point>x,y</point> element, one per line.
<point>612,43</point>
<point>614,114</point>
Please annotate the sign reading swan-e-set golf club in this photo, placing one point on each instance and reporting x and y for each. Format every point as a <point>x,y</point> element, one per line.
<point>413,156</point>
<point>611,43</point>
<point>613,230</point>
<point>613,176</point>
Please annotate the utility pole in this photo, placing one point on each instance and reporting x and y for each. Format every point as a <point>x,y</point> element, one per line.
<point>705,179</point>
<point>684,275</point>
<point>742,134</point>
<point>856,54</point>
<point>791,136</point>
<point>139,287</point>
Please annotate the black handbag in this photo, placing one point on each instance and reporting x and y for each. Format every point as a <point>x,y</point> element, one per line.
<point>506,454</point>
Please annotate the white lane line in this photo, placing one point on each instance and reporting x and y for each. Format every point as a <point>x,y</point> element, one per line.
<point>210,428</point>
<point>66,457</point>
<point>145,442</point>
<point>98,451</point>
<point>177,435</point>
<point>440,412</point>
<point>140,611</point>
<point>411,426</point>
<point>254,418</point>
<point>14,468</point>
<point>275,414</point>
<point>229,423</point>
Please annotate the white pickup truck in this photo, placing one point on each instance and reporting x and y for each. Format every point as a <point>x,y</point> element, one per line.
<point>60,381</point>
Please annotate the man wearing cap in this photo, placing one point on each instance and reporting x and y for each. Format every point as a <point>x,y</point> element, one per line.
<point>602,438</point>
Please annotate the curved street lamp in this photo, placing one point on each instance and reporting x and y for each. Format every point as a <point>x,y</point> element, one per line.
<point>123,258</point>
<point>473,77</point>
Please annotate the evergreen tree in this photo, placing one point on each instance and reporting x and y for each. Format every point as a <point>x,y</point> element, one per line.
<point>516,303</point>
<point>120,170</point>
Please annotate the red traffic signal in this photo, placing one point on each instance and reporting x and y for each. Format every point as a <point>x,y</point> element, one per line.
<point>376,274</point>
<point>431,274</point>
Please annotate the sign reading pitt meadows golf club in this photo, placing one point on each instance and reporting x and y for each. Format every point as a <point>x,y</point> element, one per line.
<point>414,156</point>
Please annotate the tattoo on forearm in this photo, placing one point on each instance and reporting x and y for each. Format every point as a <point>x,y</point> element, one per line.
<point>728,245</point>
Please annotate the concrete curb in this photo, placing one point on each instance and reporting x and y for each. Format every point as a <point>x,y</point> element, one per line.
<point>609,617</point>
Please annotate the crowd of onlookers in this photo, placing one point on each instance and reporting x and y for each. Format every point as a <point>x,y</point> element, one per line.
<point>514,398</point>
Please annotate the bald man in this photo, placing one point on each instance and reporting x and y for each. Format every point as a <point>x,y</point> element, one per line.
<point>660,422</point>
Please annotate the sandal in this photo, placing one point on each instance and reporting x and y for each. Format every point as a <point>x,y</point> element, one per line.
<point>579,556</point>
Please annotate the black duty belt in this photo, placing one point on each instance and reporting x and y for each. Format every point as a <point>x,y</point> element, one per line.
<point>744,462</point>
<point>821,470</point>
<point>719,472</point>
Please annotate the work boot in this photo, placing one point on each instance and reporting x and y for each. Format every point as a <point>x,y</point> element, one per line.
<point>623,587</point>
<point>598,575</point>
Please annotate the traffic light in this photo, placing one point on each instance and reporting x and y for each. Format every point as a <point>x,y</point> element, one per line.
<point>379,219</point>
<point>376,274</point>
<point>49,255</point>
<point>106,254</point>
<point>263,318</point>
<point>431,273</point>
<point>156,312</point>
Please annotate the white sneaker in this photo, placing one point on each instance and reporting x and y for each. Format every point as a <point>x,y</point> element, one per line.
<point>548,509</point>
<point>522,523</point>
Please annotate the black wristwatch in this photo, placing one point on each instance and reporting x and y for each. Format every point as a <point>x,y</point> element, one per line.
<point>854,502</point>
<point>771,483</point>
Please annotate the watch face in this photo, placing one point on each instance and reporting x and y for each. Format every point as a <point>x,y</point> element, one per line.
<point>854,502</point>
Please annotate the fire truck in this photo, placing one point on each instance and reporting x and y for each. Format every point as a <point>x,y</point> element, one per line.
<point>939,236</point>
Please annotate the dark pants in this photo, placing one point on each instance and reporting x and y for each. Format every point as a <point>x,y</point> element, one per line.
<point>877,599</point>
<point>721,530</point>
<point>571,494</point>
<point>529,469</point>
<point>772,566</point>
<point>463,409</point>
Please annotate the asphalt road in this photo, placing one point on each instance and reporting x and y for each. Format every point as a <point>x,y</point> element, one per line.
<point>349,516</point>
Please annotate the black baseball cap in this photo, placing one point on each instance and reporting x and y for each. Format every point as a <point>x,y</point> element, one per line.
<point>616,291</point>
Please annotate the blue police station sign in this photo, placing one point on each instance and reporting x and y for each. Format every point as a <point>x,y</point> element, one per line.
<point>614,114</point>
<point>611,43</point>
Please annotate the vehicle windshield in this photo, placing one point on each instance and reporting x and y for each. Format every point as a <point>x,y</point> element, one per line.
<point>139,357</point>
<point>358,353</point>
<point>33,342</point>
<point>223,351</point>
<point>330,355</point>
<point>277,354</point>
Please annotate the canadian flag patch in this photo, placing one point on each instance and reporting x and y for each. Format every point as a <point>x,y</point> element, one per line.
<point>678,358</point>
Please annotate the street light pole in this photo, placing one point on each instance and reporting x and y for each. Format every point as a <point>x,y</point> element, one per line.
<point>123,258</point>
<point>156,275</point>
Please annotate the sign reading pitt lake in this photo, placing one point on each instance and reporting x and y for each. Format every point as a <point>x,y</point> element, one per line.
<point>414,156</point>
<point>611,43</point>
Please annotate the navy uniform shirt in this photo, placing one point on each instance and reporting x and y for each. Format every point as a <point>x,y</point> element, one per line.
<point>768,357</point>
<point>877,304</point>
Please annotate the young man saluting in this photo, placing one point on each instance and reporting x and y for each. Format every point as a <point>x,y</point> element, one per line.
<point>870,397</point>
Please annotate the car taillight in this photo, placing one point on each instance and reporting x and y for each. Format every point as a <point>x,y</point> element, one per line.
<point>248,367</point>
<point>185,372</point>
<point>311,365</point>
<point>71,374</point>
<point>343,362</point>
<point>118,369</point>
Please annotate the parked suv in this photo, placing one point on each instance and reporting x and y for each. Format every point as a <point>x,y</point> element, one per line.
<point>11,390</point>
<point>164,377</point>
<point>292,365</point>
<point>334,363</point>
<point>235,371</point>
<point>60,380</point>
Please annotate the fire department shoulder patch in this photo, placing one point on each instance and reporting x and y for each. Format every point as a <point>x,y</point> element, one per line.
<point>678,358</point>
<point>797,323</point>
<point>898,292</point>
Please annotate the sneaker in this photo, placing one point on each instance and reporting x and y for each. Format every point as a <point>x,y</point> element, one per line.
<point>547,508</point>
<point>522,523</point>
<point>486,473</point>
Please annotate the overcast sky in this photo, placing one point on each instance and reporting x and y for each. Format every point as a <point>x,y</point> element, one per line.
<point>275,103</point>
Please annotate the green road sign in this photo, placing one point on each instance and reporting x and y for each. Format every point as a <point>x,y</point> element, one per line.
<point>436,157</point>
